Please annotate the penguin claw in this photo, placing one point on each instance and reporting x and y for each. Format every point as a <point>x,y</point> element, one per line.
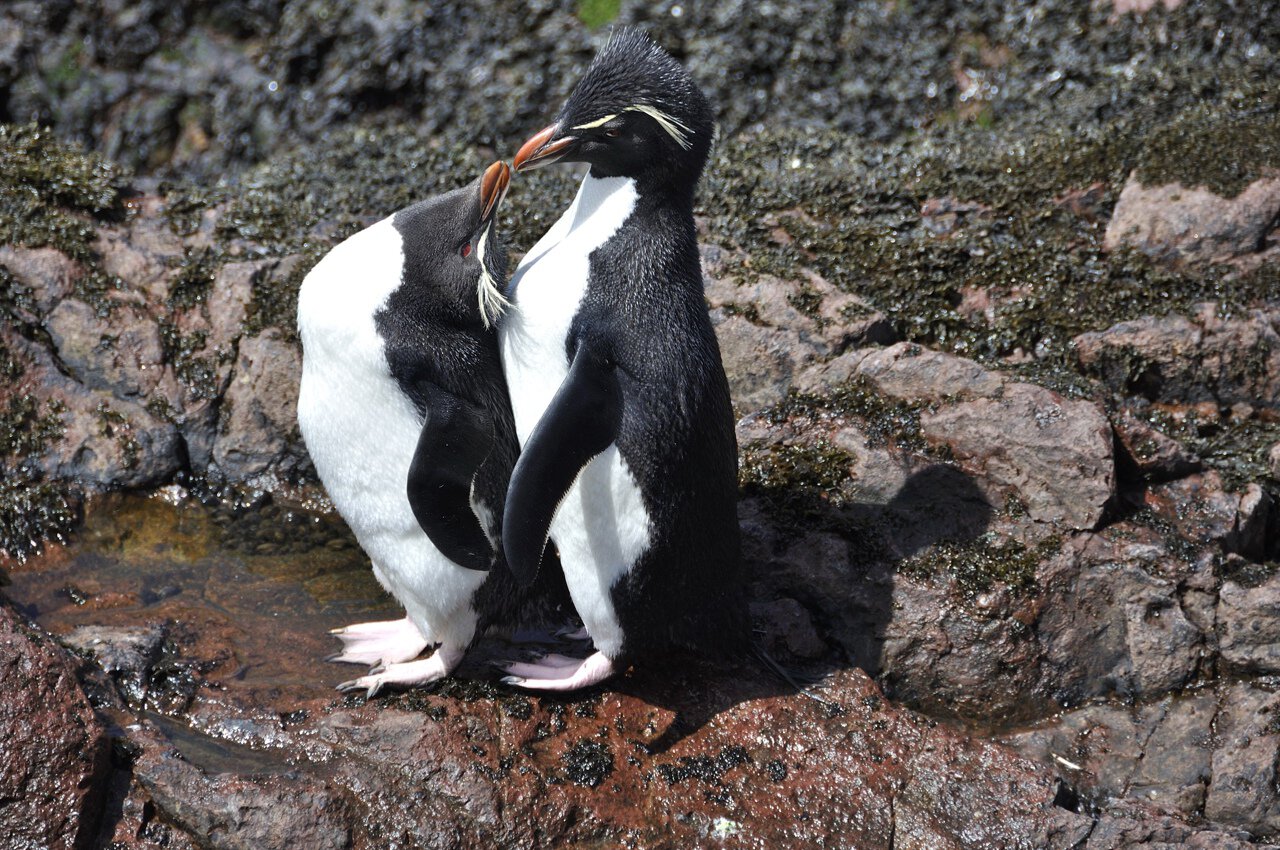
<point>422,672</point>
<point>592,670</point>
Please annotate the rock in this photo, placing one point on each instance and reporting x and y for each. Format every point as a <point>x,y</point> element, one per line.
<point>771,329</point>
<point>1186,360</point>
<point>1097,748</point>
<point>232,812</point>
<point>1177,224</point>
<point>760,362</point>
<point>1108,626</point>
<point>1155,456</point>
<point>1249,617</point>
<point>1139,7</point>
<point>1174,770</point>
<point>910,373</point>
<point>121,354</point>
<point>1273,461</point>
<point>1242,791</point>
<point>1205,512</point>
<point>533,775</point>
<point>125,653</point>
<point>53,750</point>
<point>822,378</point>
<point>789,626</point>
<point>1053,453</point>
<point>46,273</point>
<point>259,412</point>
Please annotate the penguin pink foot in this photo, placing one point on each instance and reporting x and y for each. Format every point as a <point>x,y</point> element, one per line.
<point>560,673</point>
<point>386,642</point>
<point>422,672</point>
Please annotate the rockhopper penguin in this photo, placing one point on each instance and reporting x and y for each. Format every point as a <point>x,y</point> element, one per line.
<point>405,414</point>
<point>628,461</point>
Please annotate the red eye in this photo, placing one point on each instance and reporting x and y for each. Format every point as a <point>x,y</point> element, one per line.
<point>465,250</point>
<point>613,132</point>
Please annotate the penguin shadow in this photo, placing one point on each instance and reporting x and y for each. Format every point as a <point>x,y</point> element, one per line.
<point>838,561</point>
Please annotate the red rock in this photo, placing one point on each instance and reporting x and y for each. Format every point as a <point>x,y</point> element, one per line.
<point>53,749</point>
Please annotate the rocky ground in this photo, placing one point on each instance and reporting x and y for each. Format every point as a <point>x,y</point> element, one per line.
<point>1002,321</point>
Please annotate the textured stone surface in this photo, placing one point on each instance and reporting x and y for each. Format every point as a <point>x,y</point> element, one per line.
<point>259,414</point>
<point>1180,224</point>
<point>1250,626</point>
<point>1204,357</point>
<point>53,749</point>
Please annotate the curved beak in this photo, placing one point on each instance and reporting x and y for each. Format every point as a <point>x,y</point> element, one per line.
<point>493,188</point>
<point>543,148</point>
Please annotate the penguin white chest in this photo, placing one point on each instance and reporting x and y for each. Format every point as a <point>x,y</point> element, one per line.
<point>601,527</point>
<point>361,430</point>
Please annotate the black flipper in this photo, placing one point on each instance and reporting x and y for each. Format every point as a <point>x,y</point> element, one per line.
<point>455,440</point>
<point>581,422</point>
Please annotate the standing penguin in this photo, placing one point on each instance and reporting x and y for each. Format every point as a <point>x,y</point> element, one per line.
<point>404,411</point>
<point>628,461</point>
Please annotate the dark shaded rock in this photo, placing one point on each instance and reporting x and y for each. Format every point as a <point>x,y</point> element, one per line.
<point>789,626</point>
<point>53,750</point>
<point>1187,225</point>
<point>231,812</point>
<point>103,440</point>
<point>123,356</point>
<point>1178,359</point>
<point>1174,771</point>
<point>1109,625</point>
<point>1242,791</point>
<point>1249,618</point>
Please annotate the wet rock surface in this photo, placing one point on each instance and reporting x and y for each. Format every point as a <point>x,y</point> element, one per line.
<point>996,290</point>
<point>54,750</point>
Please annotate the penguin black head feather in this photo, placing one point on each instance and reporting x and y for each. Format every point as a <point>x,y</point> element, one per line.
<point>453,241</point>
<point>635,113</point>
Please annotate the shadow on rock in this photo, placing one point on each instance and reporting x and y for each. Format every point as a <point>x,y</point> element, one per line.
<point>839,560</point>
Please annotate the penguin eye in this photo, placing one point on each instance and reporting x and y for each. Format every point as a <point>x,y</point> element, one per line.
<point>613,132</point>
<point>465,250</point>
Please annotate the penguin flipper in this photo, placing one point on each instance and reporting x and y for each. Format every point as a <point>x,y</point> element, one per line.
<point>580,423</point>
<point>455,440</point>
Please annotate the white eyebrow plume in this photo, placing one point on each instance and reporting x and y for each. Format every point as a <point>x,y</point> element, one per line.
<point>591,125</point>
<point>492,302</point>
<point>674,127</point>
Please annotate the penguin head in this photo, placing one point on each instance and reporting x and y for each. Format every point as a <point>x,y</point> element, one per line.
<point>459,244</point>
<point>635,113</point>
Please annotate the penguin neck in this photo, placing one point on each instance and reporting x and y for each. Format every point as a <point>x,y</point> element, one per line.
<point>654,189</point>
<point>602,197</point>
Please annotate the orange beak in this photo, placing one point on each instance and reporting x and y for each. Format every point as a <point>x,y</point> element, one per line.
<point>493,186</point>
<point>544,148</point>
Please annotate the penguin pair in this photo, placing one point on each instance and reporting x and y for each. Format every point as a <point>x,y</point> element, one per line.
<point>618,406</point>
